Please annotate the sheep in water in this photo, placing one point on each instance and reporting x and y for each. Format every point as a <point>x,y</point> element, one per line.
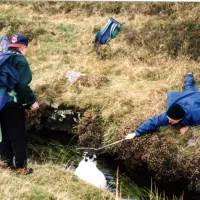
<point>88,171</point>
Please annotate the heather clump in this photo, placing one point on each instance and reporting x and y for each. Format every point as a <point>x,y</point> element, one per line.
<point>90,129</point>
<point>165,37</point>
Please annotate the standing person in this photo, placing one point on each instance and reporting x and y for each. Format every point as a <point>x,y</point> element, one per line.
<point>12,116</point>
<point>183,108</point>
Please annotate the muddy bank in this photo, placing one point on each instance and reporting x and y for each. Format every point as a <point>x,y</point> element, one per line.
<point>148,158</point>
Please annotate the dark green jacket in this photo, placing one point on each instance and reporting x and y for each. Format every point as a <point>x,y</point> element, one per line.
<point>22,92</point>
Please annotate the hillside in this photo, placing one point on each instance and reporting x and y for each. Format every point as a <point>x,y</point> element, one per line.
<point>158,44</point>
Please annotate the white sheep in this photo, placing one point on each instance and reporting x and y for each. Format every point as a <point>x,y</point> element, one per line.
<point>88,171</point>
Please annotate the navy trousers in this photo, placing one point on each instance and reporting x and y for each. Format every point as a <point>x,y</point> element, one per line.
<point>14,137</point>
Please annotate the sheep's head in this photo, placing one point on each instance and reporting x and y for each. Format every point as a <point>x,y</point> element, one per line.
<point>89,157</point>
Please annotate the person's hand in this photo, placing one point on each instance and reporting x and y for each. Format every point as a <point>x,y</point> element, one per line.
<point>184,130</point>
<point>188,73</point>
<point>130,136</point>
<point>34,106</point>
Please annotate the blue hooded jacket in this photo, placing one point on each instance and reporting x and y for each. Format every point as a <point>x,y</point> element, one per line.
<point>189,100</point>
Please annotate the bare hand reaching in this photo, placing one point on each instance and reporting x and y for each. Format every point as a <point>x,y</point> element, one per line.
<point>34,106</point>
<point>130,136</point>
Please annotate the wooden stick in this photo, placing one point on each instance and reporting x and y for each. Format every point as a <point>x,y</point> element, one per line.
<point>96,149</point>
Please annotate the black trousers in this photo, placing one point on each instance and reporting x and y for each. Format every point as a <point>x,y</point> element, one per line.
<point>14,137</point>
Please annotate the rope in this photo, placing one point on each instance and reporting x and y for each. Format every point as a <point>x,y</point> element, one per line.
<point>97,149</point>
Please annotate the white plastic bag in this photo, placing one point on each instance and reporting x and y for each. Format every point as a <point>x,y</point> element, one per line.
<point>73,76</point>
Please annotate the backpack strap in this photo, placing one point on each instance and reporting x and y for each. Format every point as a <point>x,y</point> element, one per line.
<point>13,53</point>
<point>104,29</point>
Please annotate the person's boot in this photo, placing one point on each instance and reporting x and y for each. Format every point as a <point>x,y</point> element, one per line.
<point>4,164</point>
<point>24,171</point>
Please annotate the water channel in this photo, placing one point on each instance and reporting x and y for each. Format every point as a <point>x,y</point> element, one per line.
<point>134,188</point>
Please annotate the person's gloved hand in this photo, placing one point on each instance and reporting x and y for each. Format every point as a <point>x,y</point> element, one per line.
<point>130,136</point>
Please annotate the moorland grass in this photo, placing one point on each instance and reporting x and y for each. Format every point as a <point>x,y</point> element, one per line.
<point>157,45</point>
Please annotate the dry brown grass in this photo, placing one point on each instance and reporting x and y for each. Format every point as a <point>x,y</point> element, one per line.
<point>136,80</point>
<point>137,76</point>
<point>49,181</point>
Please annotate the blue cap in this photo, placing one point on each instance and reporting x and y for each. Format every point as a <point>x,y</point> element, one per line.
<point>18,40</point>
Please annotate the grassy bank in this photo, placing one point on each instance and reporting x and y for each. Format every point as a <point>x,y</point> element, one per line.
<point>48,182</point>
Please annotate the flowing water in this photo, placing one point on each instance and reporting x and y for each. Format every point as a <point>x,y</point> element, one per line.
<point>127,189</point>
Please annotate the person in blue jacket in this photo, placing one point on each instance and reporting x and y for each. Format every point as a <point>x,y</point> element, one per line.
<point>183,108</point>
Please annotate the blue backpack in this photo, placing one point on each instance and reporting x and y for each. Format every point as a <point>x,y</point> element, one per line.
<point>9,76</point>
<point>108,32</point>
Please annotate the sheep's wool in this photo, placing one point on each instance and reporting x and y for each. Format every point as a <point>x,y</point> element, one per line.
<point>88,171</point>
